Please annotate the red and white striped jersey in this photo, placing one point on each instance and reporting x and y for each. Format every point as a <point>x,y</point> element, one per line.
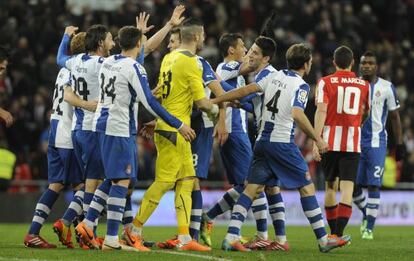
<point>347,98</point>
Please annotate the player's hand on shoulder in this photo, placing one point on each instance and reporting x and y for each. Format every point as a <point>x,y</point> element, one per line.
<point>187,132</point>
<point>70,30</point>
<point>6,117</point>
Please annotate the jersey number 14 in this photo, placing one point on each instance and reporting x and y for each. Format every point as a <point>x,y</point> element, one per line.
<point>108,89</point>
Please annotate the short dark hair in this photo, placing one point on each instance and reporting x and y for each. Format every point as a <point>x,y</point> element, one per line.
<point>189,29</point>
<point>176,30</point>
<point>267,45</point>
<point>370,54</point>
<point>4,53</point>
<point>94,35</point>
<point>297,55</point>
<point>343,57</point>
<point>227,40</point>
<point>128,37</point>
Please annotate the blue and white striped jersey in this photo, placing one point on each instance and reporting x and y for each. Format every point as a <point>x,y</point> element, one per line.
<point>282,90</point>
<point>208,77</point>
<point>236,119</point>
<point>383,99</point>
<point>62,113</point>
<point>123,84</point>
<point>84,69</point>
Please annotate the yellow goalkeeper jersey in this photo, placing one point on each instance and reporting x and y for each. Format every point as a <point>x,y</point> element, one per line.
<point>182,84</point>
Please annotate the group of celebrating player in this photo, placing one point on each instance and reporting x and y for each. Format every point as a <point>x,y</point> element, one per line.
<point>94,126</point>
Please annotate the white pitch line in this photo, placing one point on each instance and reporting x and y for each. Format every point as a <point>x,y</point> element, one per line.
<point>191,255</point>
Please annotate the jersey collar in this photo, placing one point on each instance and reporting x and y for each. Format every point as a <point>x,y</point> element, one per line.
<point>345,73</point>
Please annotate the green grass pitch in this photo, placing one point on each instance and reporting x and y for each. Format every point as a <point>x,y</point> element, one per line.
<point>390,243</point>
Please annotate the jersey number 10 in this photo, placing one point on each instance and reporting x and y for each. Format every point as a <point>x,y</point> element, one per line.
<point>348,100</point>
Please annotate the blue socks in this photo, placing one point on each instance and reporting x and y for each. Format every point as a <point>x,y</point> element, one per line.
<point>75,208</point>
<point>277,213</point>
<point>238,216</point>
<point>313,212</point>
<point>98,203</point>
<point>372,208</point>
<point>259,208</point>
<point>43,207</point>
<point>116,207</point>
<point>196,210</point>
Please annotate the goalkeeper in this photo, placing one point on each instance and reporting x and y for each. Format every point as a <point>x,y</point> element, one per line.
<point>182,84</point>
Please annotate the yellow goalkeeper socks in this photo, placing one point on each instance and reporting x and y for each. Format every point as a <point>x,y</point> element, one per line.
<point>183,202</point>
<point>150,201</point>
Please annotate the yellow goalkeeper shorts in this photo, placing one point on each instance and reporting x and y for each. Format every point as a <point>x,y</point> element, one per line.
<point>174,157</point>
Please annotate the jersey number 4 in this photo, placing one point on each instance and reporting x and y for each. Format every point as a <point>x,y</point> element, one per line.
<point>272,104</point>
<point>348,100</point>
<point>108,89</point>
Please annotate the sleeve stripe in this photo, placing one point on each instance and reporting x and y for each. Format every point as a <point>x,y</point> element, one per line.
<point>320,91</point>
<point>262,75</point>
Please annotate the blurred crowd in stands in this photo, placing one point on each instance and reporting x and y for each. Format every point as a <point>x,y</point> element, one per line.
<point>32,30</point>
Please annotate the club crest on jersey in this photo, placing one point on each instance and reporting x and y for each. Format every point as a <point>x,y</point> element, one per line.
<point>303,95</point>
<point>128,169</point>
<point>232,65</point>
<point>378,93</point>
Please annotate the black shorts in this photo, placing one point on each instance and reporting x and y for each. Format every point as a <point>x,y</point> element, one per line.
<point>340,164</point>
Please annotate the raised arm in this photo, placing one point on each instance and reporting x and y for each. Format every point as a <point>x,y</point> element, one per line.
<point>62,55</point>
<point>175,20</point>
